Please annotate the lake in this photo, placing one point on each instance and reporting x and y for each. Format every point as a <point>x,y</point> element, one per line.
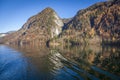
<point>59,63</point>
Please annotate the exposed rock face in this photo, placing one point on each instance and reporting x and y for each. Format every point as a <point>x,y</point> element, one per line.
<point>66,20</point>
<point>57,29</point>
<point>38,29</point>
<point>101,19</point>
<point>95,24</point>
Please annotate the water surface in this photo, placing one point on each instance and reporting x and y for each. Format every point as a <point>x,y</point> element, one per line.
<point>59,63</point>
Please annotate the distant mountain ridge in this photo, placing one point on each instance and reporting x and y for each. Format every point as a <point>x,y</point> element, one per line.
<point>4,34</point>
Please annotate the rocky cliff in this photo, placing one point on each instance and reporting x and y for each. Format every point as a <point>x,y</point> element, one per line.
<point>95,24</point>
<point>38,29</point>
<point>99,21</point>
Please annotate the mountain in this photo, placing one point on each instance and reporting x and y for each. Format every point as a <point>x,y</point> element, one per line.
<point>9,32</point>
<point>94,24</point>
<point>38,29</point>
<point>66,20</point>
<point>2,35</point>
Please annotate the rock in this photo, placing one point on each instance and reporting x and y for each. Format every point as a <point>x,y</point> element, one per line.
<point>101,19</point>
<point>93,25</point>
<point>38,29</point>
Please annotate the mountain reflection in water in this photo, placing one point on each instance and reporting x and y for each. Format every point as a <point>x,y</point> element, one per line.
<point>68,63</point>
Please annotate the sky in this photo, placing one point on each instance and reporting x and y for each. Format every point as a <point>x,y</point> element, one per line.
<point>14,13</point>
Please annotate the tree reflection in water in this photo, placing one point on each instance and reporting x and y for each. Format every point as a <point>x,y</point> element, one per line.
<point>61,63</point>
<point>102,62</point>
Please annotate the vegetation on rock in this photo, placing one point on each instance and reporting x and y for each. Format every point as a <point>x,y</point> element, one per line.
<point>99,23</point>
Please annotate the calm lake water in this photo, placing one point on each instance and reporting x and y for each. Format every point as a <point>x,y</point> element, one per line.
<point>63,63</point>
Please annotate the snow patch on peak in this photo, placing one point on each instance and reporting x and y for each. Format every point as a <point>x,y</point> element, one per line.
<point>2,35</point>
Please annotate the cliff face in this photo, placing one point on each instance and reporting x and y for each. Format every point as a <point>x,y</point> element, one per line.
<point>38,29</point>
<point>99,20</point>
<point>66,20</point>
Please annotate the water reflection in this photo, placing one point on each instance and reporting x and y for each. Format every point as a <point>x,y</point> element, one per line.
<point>11,64</point>
<point>59,63</point>
<point>97,62</point>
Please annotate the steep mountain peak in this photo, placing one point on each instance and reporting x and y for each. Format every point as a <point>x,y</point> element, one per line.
<point>101,19</point>
<point>48,9</point>
<point>40,27</point>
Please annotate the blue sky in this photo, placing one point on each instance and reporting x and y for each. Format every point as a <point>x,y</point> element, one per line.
<point>14,13</point>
